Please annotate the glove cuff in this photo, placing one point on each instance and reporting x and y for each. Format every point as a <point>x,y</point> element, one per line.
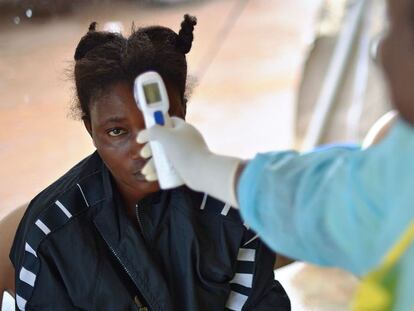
<point>217,177</point>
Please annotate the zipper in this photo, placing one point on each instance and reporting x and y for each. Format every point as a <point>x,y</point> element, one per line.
<point>140,306</point>
<point>140,225</point>
<point>137,302</point>
<point>141,228</point>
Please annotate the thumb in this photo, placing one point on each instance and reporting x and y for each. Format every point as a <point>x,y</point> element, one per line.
<point>153,133</point>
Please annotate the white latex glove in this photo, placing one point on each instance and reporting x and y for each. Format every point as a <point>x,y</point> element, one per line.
<point>199,168</point>
<point>149,168</point>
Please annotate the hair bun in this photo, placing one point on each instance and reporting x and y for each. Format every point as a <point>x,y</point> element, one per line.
<point>91,40</point>
<point>92,26</point>
<point>185,36</point>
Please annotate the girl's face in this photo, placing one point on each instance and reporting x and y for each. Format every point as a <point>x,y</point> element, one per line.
<point>397,55</point>
<point>114,124</point>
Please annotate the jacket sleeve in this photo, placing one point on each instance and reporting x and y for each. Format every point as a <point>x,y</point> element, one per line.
<point>44,290</point>
<point>339,206</point>
<point>39,285</point>
<point>253,286</point>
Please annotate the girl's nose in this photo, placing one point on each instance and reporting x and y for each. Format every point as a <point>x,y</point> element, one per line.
<point>135,149</point>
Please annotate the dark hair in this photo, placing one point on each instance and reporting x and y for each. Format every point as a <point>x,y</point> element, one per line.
<point>104,58</point>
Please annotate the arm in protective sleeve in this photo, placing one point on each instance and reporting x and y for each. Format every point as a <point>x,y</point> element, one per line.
<point>338,206</point>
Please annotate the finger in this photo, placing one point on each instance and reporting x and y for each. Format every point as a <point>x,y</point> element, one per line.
<point>149,168</point>
<point>146,151</point>
<point>143,137</point>
<point>149,134</point>
<point>149,171</point>
<point>151,177</point>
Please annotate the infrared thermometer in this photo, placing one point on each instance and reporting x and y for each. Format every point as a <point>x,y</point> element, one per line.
<point>152,99</point>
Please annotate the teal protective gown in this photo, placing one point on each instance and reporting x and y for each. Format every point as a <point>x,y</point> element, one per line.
<point>337,206</point>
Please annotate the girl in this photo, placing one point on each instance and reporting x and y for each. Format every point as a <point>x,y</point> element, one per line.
<point>103,238</point>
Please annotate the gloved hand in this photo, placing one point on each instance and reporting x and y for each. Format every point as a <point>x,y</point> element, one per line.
<point>149,168</point>
<point>187,151</point>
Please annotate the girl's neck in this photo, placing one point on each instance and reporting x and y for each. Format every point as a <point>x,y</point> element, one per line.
<point>131,198</point>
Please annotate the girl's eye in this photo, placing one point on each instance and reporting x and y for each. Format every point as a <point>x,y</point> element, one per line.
<point>116,132</point>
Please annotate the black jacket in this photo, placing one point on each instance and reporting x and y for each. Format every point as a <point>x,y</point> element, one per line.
<point>76,249</point>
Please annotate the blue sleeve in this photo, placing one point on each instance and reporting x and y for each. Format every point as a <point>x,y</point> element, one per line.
<point>337,206</point>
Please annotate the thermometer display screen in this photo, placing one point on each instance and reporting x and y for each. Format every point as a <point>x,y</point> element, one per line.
<point>152,93</point>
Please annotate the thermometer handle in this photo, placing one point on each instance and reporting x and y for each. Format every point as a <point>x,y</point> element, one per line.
<point>167,176</point>
<point>152,99</point>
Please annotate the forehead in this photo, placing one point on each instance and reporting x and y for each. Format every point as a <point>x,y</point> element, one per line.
<point>118,99</point>
<point>398,8</point>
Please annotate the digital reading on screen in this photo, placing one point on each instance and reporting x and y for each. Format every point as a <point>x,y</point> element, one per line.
<point>152,93</point>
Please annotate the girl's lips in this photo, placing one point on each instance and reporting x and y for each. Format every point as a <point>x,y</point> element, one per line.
<point>139,177</point>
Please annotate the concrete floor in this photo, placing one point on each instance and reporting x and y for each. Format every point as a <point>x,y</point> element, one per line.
<point>246,65</point>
